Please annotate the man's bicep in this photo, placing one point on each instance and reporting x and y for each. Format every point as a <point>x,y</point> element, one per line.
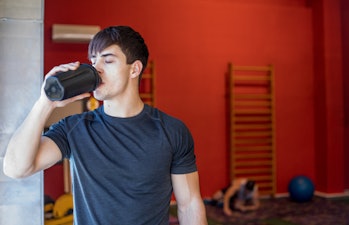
<point>185,187</point>
<point>48,154</point>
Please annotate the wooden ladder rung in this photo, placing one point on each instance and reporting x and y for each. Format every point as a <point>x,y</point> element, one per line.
<point>253,163</point>
<point>254,156</point>
<point>262,133</point>
<point>252,141</point>
<point>238,127</point>
<point>251,119</point>
<point>262,178</point>
<point>265,185</point>
<point>245,77</point>
<point>252,68</point>
<point>252,171</point>
<point>251,96</point>
<point>252,103</point>
<point>146,95</point>
<point>252,148</point>
<point>237,111</point>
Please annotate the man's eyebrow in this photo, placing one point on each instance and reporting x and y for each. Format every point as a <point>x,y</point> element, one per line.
<point>103,55</point>
<point>108,54</point>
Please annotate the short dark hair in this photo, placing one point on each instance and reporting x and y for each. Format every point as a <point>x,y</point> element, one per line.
<point>131,43</point>
<point>250,185</point>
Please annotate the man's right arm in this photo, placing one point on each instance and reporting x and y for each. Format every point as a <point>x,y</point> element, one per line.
<point>28,151</point>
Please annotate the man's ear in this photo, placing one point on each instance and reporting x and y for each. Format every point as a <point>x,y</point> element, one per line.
<point>136,68</point>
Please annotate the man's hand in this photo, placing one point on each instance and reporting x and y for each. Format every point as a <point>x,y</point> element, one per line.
<point>53,71</point>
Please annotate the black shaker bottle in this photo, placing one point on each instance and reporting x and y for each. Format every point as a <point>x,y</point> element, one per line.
<point>68,84</point>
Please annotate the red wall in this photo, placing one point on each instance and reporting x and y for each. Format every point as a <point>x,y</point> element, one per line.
<point>191,43</point>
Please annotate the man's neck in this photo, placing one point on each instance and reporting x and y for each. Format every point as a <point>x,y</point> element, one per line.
<point>123,110</point>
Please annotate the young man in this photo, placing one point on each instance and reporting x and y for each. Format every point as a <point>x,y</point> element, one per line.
<point>126,157</point>
<point>242,194</point>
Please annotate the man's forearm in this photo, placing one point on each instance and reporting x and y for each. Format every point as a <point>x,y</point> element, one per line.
<point>23,145</point>
<point>193,215</point>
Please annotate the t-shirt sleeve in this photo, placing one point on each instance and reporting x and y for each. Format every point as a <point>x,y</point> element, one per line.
<point>184,159</point>
<point>58,134</point>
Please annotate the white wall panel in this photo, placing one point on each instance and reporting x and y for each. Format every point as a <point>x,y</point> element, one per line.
<point>21,75</point>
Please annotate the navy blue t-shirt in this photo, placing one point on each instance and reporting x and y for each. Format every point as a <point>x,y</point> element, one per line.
<point>121,167</point>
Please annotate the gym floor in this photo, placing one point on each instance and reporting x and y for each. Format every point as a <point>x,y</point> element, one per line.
<point>283,211</point>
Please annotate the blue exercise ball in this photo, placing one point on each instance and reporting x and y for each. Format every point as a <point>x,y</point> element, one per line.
<point>301,189</point>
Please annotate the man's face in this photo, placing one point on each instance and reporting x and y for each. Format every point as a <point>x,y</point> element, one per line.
<point>113,70</point>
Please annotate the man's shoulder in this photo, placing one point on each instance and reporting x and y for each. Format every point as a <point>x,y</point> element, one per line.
<point>160,115</point>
